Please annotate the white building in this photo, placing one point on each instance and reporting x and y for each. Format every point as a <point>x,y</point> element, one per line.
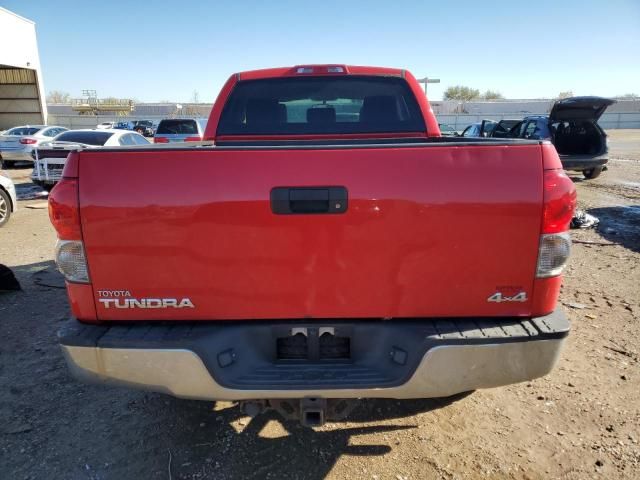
<point>22,97</point>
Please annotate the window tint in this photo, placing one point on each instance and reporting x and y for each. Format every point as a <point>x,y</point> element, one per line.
<point>88,138</point>
<point>139,140</point>
<point>530,129</point>
<point>518,130</point>
<point>321,105</point>
<point>177,126</point>
<point>52,132</point>
<point>471,131</point>
<point>126,140</point>
<point>23,131</point>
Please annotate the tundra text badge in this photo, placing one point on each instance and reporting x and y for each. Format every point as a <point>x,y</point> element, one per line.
<point>123,299</point>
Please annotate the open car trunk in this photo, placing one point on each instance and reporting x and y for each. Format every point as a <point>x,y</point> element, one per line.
<point>575,128</point>
<point>578,138</point>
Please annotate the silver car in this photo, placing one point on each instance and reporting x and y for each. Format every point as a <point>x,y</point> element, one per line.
<point>8,199</point>
<point>16,144</point>
<point>180,130</point>
<point>50,158</point>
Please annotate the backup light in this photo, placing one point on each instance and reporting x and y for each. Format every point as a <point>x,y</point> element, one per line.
<point>71,261</point>
<point>553,254</point>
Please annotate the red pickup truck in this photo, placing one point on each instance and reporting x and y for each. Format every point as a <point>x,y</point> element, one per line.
<point>324,242</point>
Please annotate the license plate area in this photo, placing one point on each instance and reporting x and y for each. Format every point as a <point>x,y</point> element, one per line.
<point>313,344</point>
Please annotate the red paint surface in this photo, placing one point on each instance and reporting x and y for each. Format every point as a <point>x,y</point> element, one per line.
<point>430,231</point>
<point>82,302</point>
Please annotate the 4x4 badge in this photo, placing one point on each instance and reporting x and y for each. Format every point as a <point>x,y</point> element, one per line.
<point>498,297</point>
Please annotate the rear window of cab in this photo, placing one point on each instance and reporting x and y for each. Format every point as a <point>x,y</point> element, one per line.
<point>321,105</point>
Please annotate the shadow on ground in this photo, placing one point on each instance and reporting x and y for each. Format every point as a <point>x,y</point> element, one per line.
<point>620,225</point>
<point>52,426</point>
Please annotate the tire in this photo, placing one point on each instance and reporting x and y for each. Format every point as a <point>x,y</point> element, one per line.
<point>592,173</point>
<point>5,207</point>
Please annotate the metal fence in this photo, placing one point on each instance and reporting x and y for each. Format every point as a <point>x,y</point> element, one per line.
<point>457,121</point>
<point>607,121</point>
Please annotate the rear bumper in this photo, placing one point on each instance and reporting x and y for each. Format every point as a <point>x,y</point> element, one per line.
<point>579,163</point>
<point>22,155</point>
<point>388,359</point>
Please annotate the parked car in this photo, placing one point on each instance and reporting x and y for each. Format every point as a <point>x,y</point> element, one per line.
<point>346,251</point>
<point>16,144</point>
<point>447,130</point>
<point>8,199</point>
<point>144,127</point>
<point>123,126</point>
<point>106,125</point>
<point>503,128</point>
<point>180,130</point>
<point>479,129</point>
<point>572,126</point>
<point>49,159</point>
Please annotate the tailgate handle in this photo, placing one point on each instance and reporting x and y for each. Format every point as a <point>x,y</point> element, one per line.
<point>308,200</point>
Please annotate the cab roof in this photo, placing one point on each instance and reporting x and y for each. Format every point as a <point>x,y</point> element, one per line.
<point>320,69</point>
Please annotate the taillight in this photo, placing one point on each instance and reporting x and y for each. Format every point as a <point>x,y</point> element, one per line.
<point>64,212</point>
<point>559,197</point>
<point>28,141</point>
<point>193,139</point>
<point>160,140</point>
<point>559,201</point>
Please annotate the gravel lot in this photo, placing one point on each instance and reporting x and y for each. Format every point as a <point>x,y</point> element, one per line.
<point>582,421</point>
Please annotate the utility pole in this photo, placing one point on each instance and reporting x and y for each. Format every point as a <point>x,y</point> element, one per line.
<point>426,80</point>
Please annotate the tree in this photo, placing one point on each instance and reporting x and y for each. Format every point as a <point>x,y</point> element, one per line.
<point>57,96</point>
<point>195,97</point>
<point>459,92</point>
<point>492,95</point>
<point>566,94</point>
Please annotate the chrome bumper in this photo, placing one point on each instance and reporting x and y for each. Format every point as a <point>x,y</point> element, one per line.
<point>16,155</point>
<point>443,371</point>
<point>446,369</point>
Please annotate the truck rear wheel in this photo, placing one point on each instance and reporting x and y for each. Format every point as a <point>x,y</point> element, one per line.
<point>592,173</point>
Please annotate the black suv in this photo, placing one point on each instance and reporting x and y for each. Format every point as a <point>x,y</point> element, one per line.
<point>143,127</point>
<point>572,126</point>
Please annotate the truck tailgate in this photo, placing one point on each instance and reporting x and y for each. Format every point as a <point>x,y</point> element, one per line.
<point>429,231</point>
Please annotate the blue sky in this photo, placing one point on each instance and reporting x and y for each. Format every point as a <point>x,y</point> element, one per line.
<point>168,49</point>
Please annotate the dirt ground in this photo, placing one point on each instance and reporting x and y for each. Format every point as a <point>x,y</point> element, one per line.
<point>581,421</point>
